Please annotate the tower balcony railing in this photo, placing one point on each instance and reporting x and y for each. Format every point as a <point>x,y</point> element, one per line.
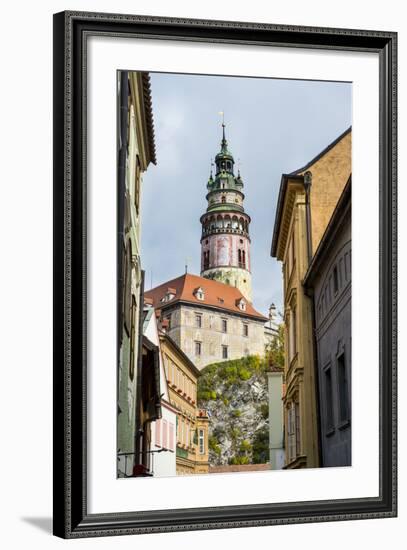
<point>212,230</point>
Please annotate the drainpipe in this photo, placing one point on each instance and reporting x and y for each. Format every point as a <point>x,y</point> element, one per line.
<point>138,431</point>
<point>310,294</point>
<point>307,187</point>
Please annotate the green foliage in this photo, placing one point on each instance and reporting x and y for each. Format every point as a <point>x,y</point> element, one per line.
<point>245,446</point>
<point>244,374</point>
<point>264,410</point>
<point>227,373</point>
<point>239,460</point>
<point>214,444</point>
<point>236,413</point>
<point>261,452</point>
<point>274,356</point>
<point>235,433</point>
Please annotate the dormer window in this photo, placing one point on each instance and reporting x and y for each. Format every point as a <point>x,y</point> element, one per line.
<point>169,295</point>
<point>241,304</point>
<point>199,293</point>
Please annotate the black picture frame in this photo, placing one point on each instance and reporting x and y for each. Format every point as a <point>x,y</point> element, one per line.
<point>71,518</point>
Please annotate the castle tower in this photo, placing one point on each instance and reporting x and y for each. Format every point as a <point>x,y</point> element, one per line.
<point>225,241</point>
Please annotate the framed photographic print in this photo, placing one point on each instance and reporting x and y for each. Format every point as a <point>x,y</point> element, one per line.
<point>224,274</point>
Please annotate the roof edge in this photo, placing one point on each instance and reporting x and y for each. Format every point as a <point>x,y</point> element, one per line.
<point>279,209</point>
<point>322,153</point>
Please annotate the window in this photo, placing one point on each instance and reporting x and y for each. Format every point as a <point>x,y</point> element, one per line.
<point>168,319</point>
<point>206,259</point>
<point>198,320</point>
<point>291,432</point>
<point>224,325</point>
<point>245,329</point>
<point>223,199</point>
<point>292,342</point>
<point>201,438</point>
<point>241,258</point>
<point>297,428</point>
<point>328,399</point>
<point>171,436</point>
<point>336,279</point>
<point>158,433</point>
<point>165,434</point>
<point>198,348</point>
<point>127,288</point>
<point>224,352</point>
<point>343,389</point>
<point>137,184</point>
<point>241,304</point>
<point>133,339</point>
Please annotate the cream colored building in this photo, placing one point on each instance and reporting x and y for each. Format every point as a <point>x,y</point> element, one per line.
<point>306,202</point>
<point>135,153</point>
<point>209,320</point>
<point>192,423</point>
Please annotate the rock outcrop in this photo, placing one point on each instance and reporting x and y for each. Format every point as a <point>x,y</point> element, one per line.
<point>236,396</point>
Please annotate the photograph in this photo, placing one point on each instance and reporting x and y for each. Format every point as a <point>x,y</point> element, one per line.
<point>234,270</point>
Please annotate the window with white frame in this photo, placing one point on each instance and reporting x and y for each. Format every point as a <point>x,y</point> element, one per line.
<point>201,441</point>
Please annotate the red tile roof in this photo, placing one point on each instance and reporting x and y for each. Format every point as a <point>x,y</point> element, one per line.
<point>217,295</point>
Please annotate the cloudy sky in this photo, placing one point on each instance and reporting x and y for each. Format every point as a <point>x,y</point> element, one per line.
<point>272,127</point>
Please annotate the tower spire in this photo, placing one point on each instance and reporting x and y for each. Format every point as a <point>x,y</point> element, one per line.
<point>224,143</point>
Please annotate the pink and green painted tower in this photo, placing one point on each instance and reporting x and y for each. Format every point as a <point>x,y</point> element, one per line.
<point>225,241</point>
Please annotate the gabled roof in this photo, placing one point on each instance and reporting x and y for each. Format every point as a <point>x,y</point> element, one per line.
<point>217,295</point>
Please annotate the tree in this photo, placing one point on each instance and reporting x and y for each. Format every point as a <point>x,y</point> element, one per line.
<point>274,353</point>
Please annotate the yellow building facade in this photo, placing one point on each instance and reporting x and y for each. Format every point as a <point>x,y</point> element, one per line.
<point>192,422</point>
<point>306,202</point>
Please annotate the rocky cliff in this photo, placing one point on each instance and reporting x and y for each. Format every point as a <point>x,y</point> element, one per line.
<point>235,394</point>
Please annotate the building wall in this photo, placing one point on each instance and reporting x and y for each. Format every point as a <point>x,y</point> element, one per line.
<point>330,173</point>
<point>300,400</point>
<point>185,332</point>
<point>329,176</point>
<point>163,431</point>
<point>136,164</point>
<point>163,438</point>
<point>182,387</point>
<point>233,276</point>
<point>333,334</point>
<point>276,420</point>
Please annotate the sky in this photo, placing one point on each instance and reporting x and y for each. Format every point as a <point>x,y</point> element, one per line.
<point>272,127</point>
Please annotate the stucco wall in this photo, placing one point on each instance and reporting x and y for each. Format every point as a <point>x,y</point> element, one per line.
<point>185,333</point>
<point>333,333</point>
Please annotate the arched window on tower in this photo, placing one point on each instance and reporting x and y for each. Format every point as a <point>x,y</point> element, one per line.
<point>239,257</point>
<point>223,199</point>
<point>244,259</point>
<point>206,259</point>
